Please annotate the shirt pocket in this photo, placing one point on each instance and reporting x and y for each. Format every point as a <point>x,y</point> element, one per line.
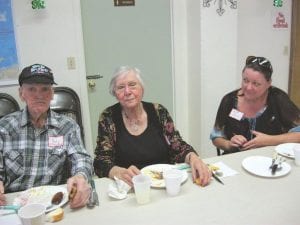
<point>14,163</point>
<point>56,160</point>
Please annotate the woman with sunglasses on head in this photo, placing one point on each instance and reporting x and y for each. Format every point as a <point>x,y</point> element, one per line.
<point>133,134</point>
<point>257,114</point>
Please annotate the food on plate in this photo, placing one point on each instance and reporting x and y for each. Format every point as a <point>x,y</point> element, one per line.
<point>55,215</point>
<point>72,193</point>
<point>213,167</point>
<point>153,174</point>
<point>57,198</point>
<point>156,174</point>
<point>33,195</point>
<point>198,181</point>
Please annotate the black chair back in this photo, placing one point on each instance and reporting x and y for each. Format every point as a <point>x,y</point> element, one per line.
<point>7,104</point>
<point>66,101</point>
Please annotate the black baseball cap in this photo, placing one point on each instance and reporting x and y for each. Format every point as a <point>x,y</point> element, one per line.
<point>36,73</point>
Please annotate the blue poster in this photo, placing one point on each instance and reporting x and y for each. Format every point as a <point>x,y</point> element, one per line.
<point>8,51</point>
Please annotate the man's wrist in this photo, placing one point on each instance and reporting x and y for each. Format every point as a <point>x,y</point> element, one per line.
<point>82,174</point>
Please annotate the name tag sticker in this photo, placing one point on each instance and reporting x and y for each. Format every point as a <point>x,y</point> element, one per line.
<point>235,114</point>
<point>56,141</point>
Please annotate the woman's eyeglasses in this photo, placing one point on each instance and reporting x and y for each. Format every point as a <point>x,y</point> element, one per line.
<point>260,61</point>
<point>131,86</point>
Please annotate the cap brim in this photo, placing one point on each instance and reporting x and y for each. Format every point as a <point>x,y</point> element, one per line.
<point>38,80</point>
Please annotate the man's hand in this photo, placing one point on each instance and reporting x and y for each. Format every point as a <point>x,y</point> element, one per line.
<point>83,191</point>
<point>2,196</point>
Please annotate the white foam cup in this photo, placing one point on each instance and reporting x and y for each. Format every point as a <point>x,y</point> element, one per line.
<point>32,214</point>
<point>173,179</point>
<point>296,150</point>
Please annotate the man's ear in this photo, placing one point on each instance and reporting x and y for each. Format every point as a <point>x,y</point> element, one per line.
<point>52,93</point>
<point>21,94</point>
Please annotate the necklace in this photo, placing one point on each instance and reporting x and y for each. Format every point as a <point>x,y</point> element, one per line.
<point>134,124</point>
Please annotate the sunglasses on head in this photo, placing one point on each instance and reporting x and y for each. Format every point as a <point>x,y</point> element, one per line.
<point>262,61</point>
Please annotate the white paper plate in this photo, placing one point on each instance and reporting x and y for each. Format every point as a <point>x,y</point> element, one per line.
<point>42,194</point>
<point>286,149</point>
<point>160,183</point>
<point>260,166</point>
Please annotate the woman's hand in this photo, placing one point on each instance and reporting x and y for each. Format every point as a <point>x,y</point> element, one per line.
<point>124,174</point>
<point>237,141</point>
<point>199,169</point>
<point>83,190</point>
<point>2,196</point>
<point>259,140</point>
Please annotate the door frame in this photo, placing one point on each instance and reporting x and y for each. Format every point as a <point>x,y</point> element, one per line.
<point>294,52</point>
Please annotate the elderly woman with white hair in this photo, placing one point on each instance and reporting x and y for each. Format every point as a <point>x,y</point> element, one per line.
<point>133,134</point>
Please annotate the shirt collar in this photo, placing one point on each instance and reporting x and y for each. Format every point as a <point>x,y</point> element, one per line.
<point>50,122</point>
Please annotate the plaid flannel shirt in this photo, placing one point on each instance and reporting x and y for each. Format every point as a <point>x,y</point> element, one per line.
<point>33,157</point>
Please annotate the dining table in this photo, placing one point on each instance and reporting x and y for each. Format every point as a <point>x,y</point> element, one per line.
<point>244,198</point>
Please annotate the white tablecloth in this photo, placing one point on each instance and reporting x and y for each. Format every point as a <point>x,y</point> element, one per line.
<point>244,199</point>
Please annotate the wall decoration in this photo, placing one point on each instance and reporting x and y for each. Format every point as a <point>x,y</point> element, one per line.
<point>221,3</point>
<point>9,67</point>
<point>279,20</point>
<point>277,3</point>
<point>38,4</point>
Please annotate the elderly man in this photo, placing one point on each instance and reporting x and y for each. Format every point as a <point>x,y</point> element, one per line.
<point>40,147</point>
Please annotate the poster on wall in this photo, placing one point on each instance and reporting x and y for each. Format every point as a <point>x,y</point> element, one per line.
<point>280,19</point>
<point>8,52</point>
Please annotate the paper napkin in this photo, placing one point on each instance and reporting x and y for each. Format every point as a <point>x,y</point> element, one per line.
<point>226,170</point>
<point>118,189</point>
<point>9,219</point>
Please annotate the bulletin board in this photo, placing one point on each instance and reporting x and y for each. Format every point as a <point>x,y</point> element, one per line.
<point>8,52</point>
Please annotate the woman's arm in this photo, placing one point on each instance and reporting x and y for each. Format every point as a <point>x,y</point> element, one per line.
<point>180,150</point>
<point>104,153</point>
<point>178,147</point>
<point>222,143</point>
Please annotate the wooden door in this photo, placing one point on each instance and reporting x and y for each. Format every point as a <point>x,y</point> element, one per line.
<point>294,81</point>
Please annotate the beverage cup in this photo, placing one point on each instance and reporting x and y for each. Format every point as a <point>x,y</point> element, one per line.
<point>142,186</point>
<point>173,179</point>
<point>297,154</point>
<point>32,214</point>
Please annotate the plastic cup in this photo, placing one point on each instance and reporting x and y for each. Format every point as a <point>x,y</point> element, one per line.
<point>297,154</point>
<point>142,186</point>
<point>32,214</point>
<point>173,179</point>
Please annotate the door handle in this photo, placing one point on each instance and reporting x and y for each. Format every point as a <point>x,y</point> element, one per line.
<point>91,80</point>
<point>93,77</point>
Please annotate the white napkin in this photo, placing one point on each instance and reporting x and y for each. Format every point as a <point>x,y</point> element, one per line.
<point>118,189</point>
<point>12,219</point>
<point>226,170</point>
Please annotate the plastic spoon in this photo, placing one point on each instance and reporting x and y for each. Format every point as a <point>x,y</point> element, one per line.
<point>56,199</point>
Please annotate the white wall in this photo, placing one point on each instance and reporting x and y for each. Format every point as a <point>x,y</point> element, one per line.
<point>180,49</point>
<point>49,36</point>
<point>209,52</point>
<point>216,50</point>
<point>256,36</point>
